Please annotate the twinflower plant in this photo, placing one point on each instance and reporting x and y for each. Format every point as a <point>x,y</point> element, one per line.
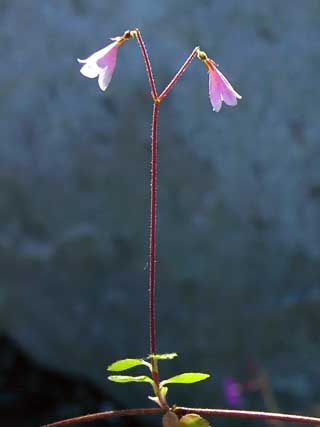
<point>101,65</point>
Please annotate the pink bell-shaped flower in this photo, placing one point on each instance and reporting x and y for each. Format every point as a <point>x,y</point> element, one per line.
<point>219,88</point>
<point>102,63</point>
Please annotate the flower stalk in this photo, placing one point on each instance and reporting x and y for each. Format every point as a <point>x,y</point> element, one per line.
<point>152,242</point>
<point>183,68</point>
<point>147,62</point>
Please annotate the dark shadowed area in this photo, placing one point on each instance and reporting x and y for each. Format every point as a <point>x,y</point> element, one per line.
<point>238,261</point>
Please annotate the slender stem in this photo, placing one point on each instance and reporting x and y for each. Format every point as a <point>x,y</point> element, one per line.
<point>179,74</point>
<point>152,253</point>
<point>184,410</point>
<point>153,209</point>
<point>230,413</point>
<point>104,415</point>
<point>153,190</point>
<point>147,64</point>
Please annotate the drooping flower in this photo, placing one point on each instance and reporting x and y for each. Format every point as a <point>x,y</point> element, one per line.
<point>102,63</point>
<point>219,88</point>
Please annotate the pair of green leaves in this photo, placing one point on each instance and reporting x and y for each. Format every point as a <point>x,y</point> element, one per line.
<point>125,364</point>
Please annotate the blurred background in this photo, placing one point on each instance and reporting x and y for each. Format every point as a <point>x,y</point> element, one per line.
<point>238,267</point>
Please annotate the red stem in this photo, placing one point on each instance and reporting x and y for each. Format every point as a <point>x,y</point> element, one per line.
<point>153,207</point>
<point>183,410</point>
<point>147,64</point>
<point>179,74</point>
<point>153,189</point>
<point>249,414</point>
<point>153,225</point>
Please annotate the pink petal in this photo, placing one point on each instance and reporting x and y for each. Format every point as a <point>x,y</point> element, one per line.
<point>215,93</point>
<point>99,54</point>
<point>89,69</point>
<point>220,89</point>
<point>101,64</point>
<point>108,59</point>
<point>229,95</point>
<point>106,73</point>
<point>104,78</point>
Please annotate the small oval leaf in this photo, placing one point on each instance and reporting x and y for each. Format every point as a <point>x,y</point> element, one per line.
<point>164,356</point>
<point>124,364</point>
<point>193,420</point>
<point>130,379</point>
<point>186,378</point>
<point>164,391</point>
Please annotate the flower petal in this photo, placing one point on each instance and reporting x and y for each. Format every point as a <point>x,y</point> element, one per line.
<point>104,78</point>
<point>214,92</point>
<point>99,54</point>
<point>109,58</point>
<point>220,88</point>
<point>229,94</point>
<point>89,69</point>
<point>101,64</point>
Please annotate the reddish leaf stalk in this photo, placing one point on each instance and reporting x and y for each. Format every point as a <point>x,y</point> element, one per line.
<point>179,74</point>
<point>184,410</point>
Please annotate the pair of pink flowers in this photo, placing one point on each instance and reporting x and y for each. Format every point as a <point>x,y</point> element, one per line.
<point>102,63</point>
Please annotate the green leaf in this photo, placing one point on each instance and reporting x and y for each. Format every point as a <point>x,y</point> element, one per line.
<point>186,378</point>
<point>164,356</point>
<point>124,364</point>
<point>193,420</point>
<point>164,391</point>
<point>130,379</point>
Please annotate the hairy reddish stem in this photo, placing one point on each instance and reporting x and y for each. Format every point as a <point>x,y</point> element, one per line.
<point>179,74</point>
<point>153,208</point>
<point>184,410</point>
<point>147,64</point>
<point>153,226</point>
<point>153,188</point>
